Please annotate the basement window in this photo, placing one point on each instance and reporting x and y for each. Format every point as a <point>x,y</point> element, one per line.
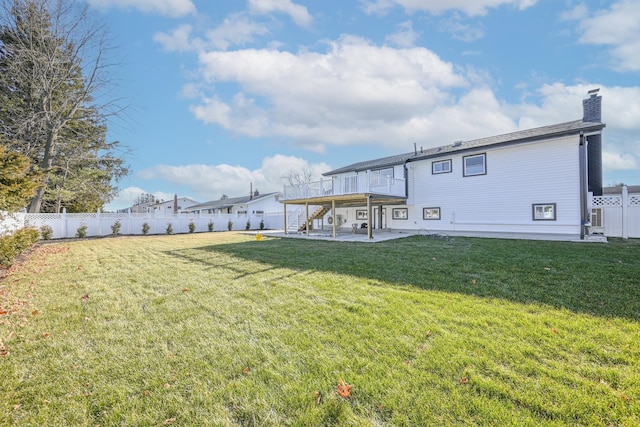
<point>544,212</point>
<point>430,213</point>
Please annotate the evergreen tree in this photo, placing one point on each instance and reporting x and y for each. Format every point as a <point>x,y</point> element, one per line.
<point>51,68</point>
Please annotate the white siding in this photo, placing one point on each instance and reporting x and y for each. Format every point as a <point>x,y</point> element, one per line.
<point>500,201</point>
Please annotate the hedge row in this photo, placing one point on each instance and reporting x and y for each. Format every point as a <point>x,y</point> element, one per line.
<point>12,245</point>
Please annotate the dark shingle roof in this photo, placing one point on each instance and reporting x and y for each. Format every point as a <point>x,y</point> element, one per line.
<point>529,135</point>
<point>225,203</point>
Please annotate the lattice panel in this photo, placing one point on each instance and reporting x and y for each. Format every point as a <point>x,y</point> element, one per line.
<point>42,216</point>
<point>605,201</point>
<point>634,200</point>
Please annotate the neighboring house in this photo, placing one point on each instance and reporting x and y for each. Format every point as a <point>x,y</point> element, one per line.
<point>535,182</point>
<point>178,204</point>
<point>255,204</point>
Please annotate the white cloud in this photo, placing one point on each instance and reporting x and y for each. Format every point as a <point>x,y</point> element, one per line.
<point>209,182</point>
<point>617,27</point>
<point>405,36</point>
<point>173,8</point>
<point>298,13</point>
<point>461,31</point>
<point>468,7</point>
<point>178,40</point>
<point>236,29</point>
<point>617,161</point>
<point>354,93</point>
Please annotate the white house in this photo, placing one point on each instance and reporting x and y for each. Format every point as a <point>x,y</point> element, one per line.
<point>536,182</point>
<point>164,207</point>
<point>254,204</point>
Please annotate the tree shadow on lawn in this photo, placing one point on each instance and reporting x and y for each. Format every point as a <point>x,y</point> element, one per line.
<point>598,279</point>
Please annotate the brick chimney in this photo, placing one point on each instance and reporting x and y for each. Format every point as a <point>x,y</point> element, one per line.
<point>592,107</point>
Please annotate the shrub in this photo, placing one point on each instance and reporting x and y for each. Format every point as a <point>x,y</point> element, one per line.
<point>210,226</point>
<point>115,228</point>
<point>262,224</point>
<point>46,232</point>
<point>248,226</point>
<point>192,227</point>
<point>12,245</point>
<point>230,225</point>
<point>145,228</point>
<point>81,232</point>
<point>169,228</point>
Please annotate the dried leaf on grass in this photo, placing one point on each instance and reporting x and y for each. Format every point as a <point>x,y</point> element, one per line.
<point>344,390</point>
<point>318,397</point>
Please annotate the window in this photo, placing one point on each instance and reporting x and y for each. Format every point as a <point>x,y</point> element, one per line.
<point>400,213</point>
<point>443,166</point>
<point>596,217</point>
<point>361,215</point>
<point>474,165</point>
<point>544,212</point>
<point>431,213</point>
<point>381,176</point>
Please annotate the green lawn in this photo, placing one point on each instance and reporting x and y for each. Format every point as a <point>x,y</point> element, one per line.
<point>221,329</point>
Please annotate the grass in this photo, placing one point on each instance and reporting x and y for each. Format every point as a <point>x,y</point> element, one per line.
<point>220,329</point>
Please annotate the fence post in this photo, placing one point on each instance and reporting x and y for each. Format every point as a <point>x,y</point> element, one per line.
<point>625,212</point>
<point>64,222</point>
<point>99,223</point>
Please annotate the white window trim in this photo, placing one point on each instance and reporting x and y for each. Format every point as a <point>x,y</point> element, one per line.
<point>441,162</point>
<point>484,164</point>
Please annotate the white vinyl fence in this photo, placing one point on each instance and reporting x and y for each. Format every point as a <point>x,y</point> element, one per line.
<point>66,225</point>
<point>617,215</point>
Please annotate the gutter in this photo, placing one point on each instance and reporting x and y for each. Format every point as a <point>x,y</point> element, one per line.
<point>585,220</point>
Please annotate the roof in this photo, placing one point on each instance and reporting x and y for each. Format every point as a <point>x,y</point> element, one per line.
<point>618,189</point>
<point>529,135</point>
<point>231,201</point>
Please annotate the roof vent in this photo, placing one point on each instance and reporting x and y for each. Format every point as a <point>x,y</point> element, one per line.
<point>458,143</point>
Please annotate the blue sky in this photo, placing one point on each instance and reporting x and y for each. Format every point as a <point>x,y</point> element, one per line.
<point>223,94</point>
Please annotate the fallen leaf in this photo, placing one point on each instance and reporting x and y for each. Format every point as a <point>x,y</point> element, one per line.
<point>408,362</point>
<point>547,268</point>
<point>170,421</point>
<point>85,297</point>
<point>3,312</point>
<point>429,333</point>
<point>186,290</point>
<point>554,330</point>
<point>625,398</point>
<point>4,351</point>
<point>34,312</point>
<point>46,334</point>
<point>344,390</point>
<point>474,281</point>
<point>317,396</point>
<point>245,370</point>
<point>167,385</point>
<point>147,393</point>
<point>464,380</point>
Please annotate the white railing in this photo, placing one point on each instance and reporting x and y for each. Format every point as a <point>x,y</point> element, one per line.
<point>340,186</point>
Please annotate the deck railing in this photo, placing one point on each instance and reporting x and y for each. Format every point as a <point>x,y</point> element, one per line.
<point>341,186</point>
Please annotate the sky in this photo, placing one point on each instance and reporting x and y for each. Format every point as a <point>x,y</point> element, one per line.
<point>225,95</point>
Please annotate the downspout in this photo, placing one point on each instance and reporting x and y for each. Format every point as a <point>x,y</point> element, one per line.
<point>584,215</point>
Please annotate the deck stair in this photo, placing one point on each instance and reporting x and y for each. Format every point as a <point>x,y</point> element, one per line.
<point>317,214</point>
